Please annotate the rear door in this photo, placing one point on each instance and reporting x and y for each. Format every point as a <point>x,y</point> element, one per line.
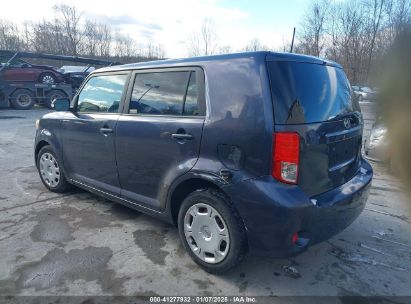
<point>159,135</point>
<point>89,132</point>
<point>315,101</point>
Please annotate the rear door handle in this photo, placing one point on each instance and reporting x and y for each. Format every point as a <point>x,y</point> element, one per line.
<point>105,131</point>
<point>182,136</point>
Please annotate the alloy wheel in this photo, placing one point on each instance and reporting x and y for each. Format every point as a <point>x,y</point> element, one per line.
<point>48,79</point>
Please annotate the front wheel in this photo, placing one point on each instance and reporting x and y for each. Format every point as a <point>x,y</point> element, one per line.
<point>53,95</point>
<point>50,171</point>
<point>212,231</point>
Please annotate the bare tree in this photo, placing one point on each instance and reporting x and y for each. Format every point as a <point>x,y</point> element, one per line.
<point>375,12</point>
<point>193,45</point>
<point>352,43</point>
<point>398,18</point>
<point>332,34</point>
<point>70,19</point>
<point>255,45</point>
<point>98,39</point>
<point>91,38</point>
<point>10,36</point>
<point>357,34</point>
<point>160,52</point>
<point>209,37</point>
<point>49,37</point>
<point>285,45</point>
<point>203,42</point>
<point>150,48</point>
<point>69,33</point>
<point>105,33</point>
<point>225,49</point>
<point>124,46</point>
<point>313,28</point>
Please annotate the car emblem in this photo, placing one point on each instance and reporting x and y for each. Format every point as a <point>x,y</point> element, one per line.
<point>347,123</point>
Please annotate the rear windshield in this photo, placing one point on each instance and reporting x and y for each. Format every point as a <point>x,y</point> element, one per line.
<point>307,92</point>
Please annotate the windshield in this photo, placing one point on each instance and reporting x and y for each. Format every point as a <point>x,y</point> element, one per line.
<point>307,92</point>
<point>15,61</point>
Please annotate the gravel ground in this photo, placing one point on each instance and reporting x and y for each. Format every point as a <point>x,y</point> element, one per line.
<point>79,244</point>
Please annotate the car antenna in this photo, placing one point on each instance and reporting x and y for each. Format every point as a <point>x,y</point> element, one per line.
<point>292,41</point>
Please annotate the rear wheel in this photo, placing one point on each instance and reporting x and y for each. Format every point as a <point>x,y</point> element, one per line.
<point>52,95</point>
<point>211,231</point>
<point>47,78</point>
<point>50,171</point>
<point>22,99</point>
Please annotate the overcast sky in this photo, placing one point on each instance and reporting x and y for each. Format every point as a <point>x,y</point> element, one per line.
<point>171,22</point>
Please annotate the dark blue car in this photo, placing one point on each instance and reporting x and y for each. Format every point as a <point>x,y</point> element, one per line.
<point>252,152</point>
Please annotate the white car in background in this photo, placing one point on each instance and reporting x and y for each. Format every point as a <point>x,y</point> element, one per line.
<point>376,145</point>
<point>362,93</point>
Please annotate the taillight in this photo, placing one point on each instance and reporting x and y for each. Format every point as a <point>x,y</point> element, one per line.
<point>286,154</point>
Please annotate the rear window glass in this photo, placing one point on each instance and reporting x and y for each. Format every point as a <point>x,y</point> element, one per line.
<point>307,93</point>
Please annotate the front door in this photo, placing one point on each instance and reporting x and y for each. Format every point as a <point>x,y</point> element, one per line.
<point>89,133</point>
<point>158,138</point>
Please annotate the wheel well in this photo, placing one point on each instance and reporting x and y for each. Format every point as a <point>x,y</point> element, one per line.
<point>55,91</point>
<point>183,190</point>
<point>40,145</point>
<point>49,95</point>
<point>46,73</point>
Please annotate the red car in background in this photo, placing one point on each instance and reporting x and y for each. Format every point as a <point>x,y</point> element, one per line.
<point>19,70</point>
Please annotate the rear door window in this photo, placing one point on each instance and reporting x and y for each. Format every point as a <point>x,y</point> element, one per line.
<point>308,93</point>
<point>174,93</point>
<point>159,93</point>
<point>191,106</point>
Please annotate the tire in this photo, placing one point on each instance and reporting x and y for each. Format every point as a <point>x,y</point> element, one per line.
<point>47,78</point>
<point>22,99</point>
<point>47,162</point>
<point>53,94</point>
<point>226,221</point>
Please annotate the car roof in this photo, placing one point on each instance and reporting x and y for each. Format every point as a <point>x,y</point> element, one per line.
<point>204,60</point>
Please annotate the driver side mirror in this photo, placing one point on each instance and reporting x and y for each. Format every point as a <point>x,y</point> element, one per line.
<point>61,104</point>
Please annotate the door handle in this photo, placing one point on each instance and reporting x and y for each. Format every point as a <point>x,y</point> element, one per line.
<point>105,131</point>
<point>182,136</point>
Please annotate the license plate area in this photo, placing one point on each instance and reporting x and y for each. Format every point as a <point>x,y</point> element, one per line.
<point>342,152</point>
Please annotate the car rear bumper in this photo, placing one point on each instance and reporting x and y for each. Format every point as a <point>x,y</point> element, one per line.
<point>272,212</point>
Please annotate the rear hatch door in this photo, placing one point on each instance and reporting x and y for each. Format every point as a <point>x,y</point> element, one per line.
<point>315,100</point>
